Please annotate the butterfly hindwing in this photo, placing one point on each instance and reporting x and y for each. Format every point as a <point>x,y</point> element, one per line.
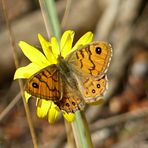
<point>92,59</point>
<point>70,102</point>
<point>46,84</point>
<point>94,89</point>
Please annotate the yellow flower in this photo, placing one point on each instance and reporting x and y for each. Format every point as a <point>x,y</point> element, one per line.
<point>39,61</point>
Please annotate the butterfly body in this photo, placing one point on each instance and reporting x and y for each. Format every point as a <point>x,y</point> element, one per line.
<point>67,73</point>
<point>78,79</point>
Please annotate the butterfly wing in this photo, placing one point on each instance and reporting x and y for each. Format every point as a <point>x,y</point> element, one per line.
<point>92,59</point>
<point>93,92</point>
<point>70,102</point>
<point>94,89</point>
<point>46,84</point>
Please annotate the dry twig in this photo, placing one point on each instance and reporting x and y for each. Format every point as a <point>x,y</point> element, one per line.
<point>116,120</point>
<point>12,41</point>
<point>10,106</point>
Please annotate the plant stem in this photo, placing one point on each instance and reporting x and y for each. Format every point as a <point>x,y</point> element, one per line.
<point>81,131</point>
<point>53,18</point>
<point>87,130</point>
<point>70,135</point>
<point>13,44</point>
<point>79,126</point>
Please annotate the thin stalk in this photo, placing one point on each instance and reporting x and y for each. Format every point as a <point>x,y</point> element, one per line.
<point>76,134</point>
<point>66,13</point>
<point>52,20</point>
<point>87,130</point>
<point>45,17</point>
<point>70,136</point>
<point>79,126</point>
<point>13,44</point>
<point>52,25</point>
<point>10,106</point>
<point>82,134</point>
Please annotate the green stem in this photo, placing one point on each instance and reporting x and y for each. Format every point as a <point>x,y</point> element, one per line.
<point>53,18</point>
<point>81,131</point>
<point>80,127</point>
<point>87,130</point>
<point>70,135</point>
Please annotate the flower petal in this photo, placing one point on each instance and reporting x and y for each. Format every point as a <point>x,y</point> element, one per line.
<point>55,47</point>
<point>27,96</point>
<point>66,42</point>
<point>43,107</point>
<point>47,49</point>
<point>85,39</point>
<point>26,71</point>
<point>33,54</point>
<point>53,113</point>
<point>69,116</point>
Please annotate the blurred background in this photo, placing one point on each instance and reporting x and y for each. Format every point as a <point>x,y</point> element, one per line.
<point>122,121</point>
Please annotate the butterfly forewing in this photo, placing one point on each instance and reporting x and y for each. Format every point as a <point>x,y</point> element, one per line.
<point>46,84</point>
<point>92,59</point>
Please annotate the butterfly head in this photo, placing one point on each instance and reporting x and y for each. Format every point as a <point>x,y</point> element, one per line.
<point>60,57</point>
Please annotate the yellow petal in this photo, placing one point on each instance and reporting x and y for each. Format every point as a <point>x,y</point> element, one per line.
<point>47,49</point>
<point>53,113</point>
<point>66,42</point>
<point>85,39</point>
<point>43,107</point>
<point>69,116</point>
<point>26,71</point>
<point>55,47</point>
<point>27,96</point>
<point>33,54</point>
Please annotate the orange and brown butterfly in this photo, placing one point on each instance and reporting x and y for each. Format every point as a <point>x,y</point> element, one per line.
<point>70,77</point>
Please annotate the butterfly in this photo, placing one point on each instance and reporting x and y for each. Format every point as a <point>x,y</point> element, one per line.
<point>78,79</point>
